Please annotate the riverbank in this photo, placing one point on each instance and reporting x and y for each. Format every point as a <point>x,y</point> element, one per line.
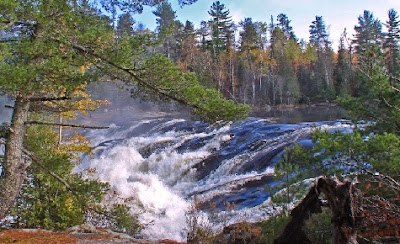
<point>80,234</point>
<point>300,113</point>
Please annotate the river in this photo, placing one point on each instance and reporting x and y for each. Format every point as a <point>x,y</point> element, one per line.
<point>162,163</point>
<point>171,168</point>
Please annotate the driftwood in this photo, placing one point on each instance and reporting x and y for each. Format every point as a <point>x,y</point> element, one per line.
<point>340,200</point>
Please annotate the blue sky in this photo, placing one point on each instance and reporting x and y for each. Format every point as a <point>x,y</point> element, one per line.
<point>338,14</point>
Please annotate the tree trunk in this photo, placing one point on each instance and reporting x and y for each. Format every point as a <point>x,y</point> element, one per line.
<point>340,201</point>
<point>232,77</point>
<point>253,85</point>
<point>13,173</point>
<point>326,72</point>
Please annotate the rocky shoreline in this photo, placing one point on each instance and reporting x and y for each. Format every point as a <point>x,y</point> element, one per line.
<point>81,234</point>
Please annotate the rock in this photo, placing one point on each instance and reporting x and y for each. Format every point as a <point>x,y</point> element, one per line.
<point>87,233</point>
<point>80,234</point>
<point>241,233</point>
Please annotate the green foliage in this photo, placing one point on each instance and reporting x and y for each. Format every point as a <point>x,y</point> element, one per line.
<point>378,153</point>
<point>42,57</point>
<point>379,105</point>
<point>288,171</point>
<point>318,227</point>
<point>60,46</point>
<point>392,43</point>
<point>125,25</point>
<point>273,227</point>
<point>169,82</point>
<point>222,28</point>
<point>125,222</point>
<point>44,201</point>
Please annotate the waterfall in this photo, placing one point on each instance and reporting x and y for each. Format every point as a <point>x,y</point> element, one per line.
<point>162,167</point>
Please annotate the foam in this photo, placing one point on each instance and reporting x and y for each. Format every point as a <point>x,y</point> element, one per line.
<point>161,188</point>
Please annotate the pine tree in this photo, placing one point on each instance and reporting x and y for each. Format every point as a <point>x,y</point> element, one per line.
<point>204,33</point>
<point>166,27</point>
<point>61,47</point>
<point>368,41</point>
<point>187,47</point>
<point>250,38</point>
<point>342,72</point>
<point>222,28</point>
<point>323,71</point>
<point>125,25</point>
<point>284,25</point>
<point>287,86</point>
<point>392,37</point>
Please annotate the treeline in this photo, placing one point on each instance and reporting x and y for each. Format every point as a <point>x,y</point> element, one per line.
<point>262,63</point>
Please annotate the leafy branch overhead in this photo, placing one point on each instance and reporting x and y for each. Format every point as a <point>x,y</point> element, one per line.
<point>49,52</point>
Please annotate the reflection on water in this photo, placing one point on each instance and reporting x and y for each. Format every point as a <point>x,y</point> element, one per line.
<point>306,114</point>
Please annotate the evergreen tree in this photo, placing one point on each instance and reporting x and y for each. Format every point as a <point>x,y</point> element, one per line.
<point>60,48</point>
<point>248,43</point>
<point>391,44</point>
<point>125,25</point>
<point>166,16</point>
<point>323,71</point>
<point>188,30</point>
<point>342,72</point>
<point>305,71</point>
<point>287,87</point>
<point>249,36</point>
<point>204,32</point>
<point>166,28</point>
<point>367,41</point>
<point>187,47</point>
<point>284,25</point>
<point>222,28</point>
<point>253,59</point>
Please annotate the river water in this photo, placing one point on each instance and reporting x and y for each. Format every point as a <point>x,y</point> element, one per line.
<point>163,163</point>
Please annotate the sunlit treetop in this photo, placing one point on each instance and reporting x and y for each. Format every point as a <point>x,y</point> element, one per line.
<point>69,43</point>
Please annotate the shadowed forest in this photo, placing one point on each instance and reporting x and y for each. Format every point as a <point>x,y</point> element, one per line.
<point>264,63</point>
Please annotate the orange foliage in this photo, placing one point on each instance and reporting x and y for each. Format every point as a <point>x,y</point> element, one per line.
<point>35,237</point>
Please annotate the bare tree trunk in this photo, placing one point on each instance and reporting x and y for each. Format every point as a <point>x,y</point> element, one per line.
<point>14,166</point>
<point>60,119</point>
<point>326,71</point>
<point>220,89</point>
<point>273,91</point>
<point>253,85</point>
<point>232,76</point>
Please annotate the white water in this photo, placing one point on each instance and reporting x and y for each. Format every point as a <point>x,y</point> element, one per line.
<point>153,185</point>
<point>162,186</point>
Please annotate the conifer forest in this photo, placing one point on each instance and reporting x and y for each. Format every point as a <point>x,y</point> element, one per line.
<point>165,135</point>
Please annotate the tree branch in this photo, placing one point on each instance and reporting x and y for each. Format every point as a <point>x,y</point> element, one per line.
<point>36,161</point>
<point>133,75</point>
<point>370,78</point>
<point>44,99</point>
<point>390,105</point>
<point>377,174</point>
<point>58,178</point>
<point>67,125</point>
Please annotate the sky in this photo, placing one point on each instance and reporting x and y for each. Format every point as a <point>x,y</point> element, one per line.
<point>338,14</point>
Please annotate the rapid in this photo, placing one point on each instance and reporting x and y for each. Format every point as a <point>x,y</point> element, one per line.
<point>169,167</point>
